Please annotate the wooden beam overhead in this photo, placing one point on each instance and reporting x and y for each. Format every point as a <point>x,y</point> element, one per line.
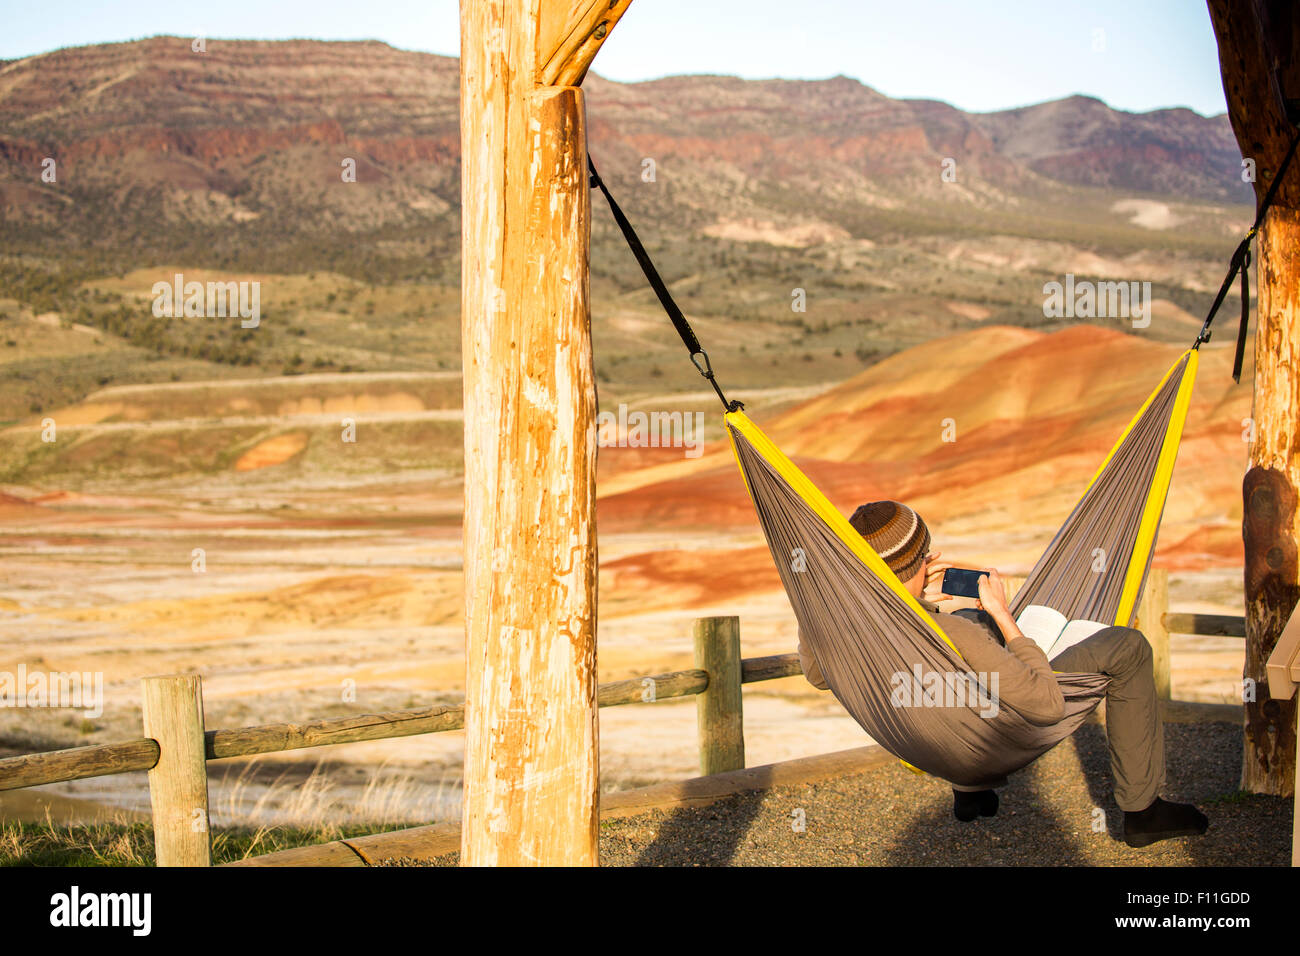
<point>1257,54</point>
<point>570,34</point>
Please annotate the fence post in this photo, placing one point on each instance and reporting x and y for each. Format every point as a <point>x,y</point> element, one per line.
<point>718,709</point>
<point>172,708</point>
<point>1295,807</point>
<point>1151,622</point>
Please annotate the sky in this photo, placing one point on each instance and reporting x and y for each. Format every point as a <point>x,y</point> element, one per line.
<point>978,55</point>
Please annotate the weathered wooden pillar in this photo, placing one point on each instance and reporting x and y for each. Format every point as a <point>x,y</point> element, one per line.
<point>1259,58</point>
<point>531,744</point>
<point>1269,502</point>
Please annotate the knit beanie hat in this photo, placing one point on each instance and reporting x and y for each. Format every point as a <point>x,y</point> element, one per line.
<point>896,533</point>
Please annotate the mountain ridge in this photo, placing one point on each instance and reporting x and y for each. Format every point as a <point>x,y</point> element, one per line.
<point>150,129</point>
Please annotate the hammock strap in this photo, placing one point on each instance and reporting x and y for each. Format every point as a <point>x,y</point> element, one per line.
<point>699,357</point>
<point>1245,318</point>
<point>1241,263</point>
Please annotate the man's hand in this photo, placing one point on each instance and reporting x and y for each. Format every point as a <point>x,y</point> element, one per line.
<point>934,569</point>
<point>993,596</point>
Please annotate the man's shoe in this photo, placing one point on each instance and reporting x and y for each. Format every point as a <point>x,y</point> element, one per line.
<point>969,804</point>
<point>1161,821</point>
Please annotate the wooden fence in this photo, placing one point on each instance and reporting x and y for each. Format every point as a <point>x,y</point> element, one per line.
<point>176,746</point>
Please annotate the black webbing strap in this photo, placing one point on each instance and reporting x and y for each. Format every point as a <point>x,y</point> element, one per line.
<point>1240,259</point>
<point>1241,263</point>
<point>699,357</point>
<point>1240,354</point>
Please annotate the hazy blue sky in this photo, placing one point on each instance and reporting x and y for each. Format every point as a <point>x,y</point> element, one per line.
<point>1134,54</point>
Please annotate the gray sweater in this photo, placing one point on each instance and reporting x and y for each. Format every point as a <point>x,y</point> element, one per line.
<point>1025,680</point>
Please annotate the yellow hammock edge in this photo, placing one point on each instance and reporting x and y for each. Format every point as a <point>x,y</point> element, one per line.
<point>1155,502</point>
<point>822,507</point>
<point>829,514</point>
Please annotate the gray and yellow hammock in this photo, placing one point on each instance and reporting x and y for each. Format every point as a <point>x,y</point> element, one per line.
<point>863,627</point>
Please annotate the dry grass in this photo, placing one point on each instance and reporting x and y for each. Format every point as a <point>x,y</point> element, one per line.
<point>131,844</point>
<point>320,802</point>
<point>263,818</point>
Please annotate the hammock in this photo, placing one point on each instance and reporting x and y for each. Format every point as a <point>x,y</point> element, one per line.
<point>863,628</point>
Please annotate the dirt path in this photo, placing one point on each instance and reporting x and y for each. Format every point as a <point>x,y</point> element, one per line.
<point>891,817</point>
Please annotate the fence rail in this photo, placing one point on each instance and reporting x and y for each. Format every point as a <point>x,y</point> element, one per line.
<point>100,760</point>
<point>1207,625</point>
<point>174,781</point>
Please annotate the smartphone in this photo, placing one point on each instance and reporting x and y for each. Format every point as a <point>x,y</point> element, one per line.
<point>962,582</point>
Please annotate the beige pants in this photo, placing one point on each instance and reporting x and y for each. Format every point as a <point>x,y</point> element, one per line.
<point>1134,730</point>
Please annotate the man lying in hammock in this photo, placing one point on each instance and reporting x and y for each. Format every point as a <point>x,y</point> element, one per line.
<point>990,642</point>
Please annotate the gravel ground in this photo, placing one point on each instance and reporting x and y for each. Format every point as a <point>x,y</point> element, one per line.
<point>891,817</point>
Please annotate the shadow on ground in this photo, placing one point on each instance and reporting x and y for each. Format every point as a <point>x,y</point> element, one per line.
<point>1057,812</point>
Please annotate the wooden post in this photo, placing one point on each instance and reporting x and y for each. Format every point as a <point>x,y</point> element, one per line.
<point>1295,810</point>
<point>531,744</point>
<point>1259,58</point>
<point>1269,491</point>
<point>1151,622</point>
<point>172,708</point>
<point>719,709</point>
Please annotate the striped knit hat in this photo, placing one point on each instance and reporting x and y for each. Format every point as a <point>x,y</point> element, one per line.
<point>896,533</point>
